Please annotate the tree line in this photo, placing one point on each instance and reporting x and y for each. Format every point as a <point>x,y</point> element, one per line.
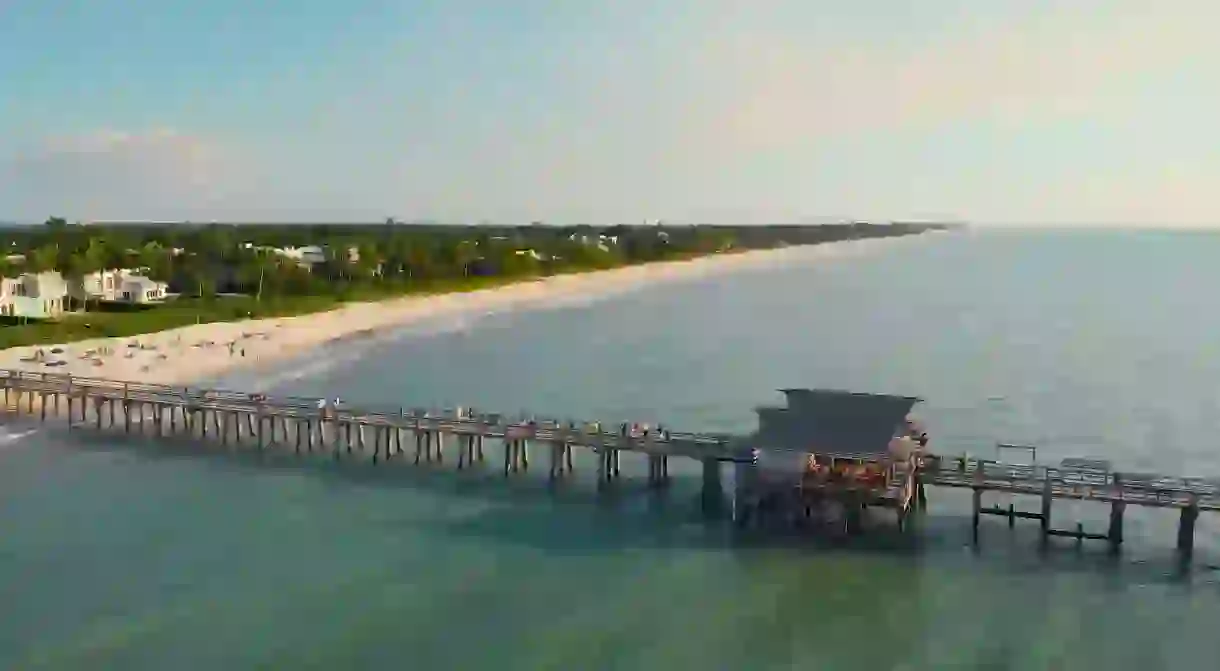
<point>359,259</point>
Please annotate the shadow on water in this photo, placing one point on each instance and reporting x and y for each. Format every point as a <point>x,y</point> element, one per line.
<point>574,519</point>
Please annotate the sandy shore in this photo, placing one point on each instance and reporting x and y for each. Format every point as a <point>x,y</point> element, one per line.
<point>192,353</point>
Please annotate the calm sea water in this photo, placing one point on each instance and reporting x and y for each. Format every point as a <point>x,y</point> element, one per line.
<point>1086,344</point>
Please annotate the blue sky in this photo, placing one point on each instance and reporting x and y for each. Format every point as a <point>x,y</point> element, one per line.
<point>1019,111</point>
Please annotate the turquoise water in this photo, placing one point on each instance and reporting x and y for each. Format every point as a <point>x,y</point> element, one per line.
<point>1101,344</point>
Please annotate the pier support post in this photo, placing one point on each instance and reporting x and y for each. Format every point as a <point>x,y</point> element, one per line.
<point>658,470</point>
<point>510,456</point>
<point>561,459</point>
<point>1186,529</point>
<point>1047,499</point>
<point>853,515</point>
<point>1115,535</point>
<point>556,461</point>
<point>974,522</point>
<point>603,471</point>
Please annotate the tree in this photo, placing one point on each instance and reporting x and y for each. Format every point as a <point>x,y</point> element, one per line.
<point>43,259</point>
<point>368,260</point>
<point>96,254</point>
<point>157,262</point>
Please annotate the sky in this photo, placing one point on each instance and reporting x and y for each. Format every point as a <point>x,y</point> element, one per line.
<point>729,111</point>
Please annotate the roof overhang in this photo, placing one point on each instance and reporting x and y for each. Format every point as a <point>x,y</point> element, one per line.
<point>834,423</point>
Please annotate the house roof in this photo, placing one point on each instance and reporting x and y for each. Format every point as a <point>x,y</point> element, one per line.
<point>140,280</point>
<point>833,422</point>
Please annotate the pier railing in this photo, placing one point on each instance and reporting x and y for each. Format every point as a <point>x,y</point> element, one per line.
<point>449,420</point>
<point>1075,483</point>
<point>261,417</point>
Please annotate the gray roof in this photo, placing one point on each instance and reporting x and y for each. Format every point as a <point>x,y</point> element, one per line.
<point>832,422</point>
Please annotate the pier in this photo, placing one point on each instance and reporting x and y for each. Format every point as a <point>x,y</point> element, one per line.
<point>865,457</point>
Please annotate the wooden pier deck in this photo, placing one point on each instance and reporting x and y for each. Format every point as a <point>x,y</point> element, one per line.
<point>236,418</point>
<point>233,417</point>
<point>1156,491</point>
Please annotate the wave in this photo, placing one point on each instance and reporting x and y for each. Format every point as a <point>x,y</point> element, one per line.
<point>13,435</point>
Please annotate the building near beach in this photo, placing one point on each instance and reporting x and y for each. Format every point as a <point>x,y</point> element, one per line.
<point>119,286</point>
<point>854,448</point>
<point>33,295</point>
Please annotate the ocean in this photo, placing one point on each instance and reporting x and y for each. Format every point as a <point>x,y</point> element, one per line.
<point>1085,343</point>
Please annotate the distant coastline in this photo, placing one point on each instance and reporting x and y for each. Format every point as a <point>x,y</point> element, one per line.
<point>190,353</point>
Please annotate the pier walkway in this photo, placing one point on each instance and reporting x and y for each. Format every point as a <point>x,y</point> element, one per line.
<point>460,434</point>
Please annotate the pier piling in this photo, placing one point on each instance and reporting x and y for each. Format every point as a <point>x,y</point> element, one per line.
<point>1186,529</point>
<point>209,414</point>
<point>1115,534</point>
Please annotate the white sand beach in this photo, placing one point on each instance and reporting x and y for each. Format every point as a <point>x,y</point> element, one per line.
<point>196,352</point>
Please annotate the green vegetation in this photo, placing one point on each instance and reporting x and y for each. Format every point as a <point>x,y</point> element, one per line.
<point>227,272</point>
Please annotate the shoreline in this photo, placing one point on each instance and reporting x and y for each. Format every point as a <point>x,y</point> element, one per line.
<point>200,351</point>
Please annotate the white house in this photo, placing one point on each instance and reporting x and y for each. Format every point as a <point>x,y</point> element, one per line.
<point>140,289</point>
<point>121,285</point>
<point>306,257</point>
<point>33,295</point>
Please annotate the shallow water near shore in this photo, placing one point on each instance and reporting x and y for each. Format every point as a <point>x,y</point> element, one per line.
<point>145,556</point>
